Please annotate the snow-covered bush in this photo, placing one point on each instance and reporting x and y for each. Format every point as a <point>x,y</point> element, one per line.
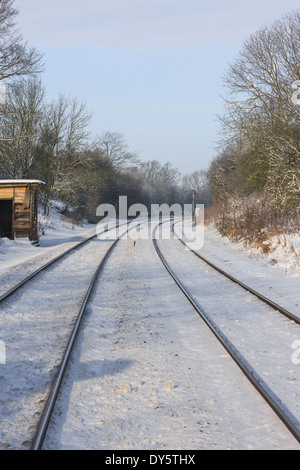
<point>250,220</point>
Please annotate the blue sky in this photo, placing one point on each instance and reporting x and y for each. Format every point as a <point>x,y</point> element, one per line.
<point>149,69</point>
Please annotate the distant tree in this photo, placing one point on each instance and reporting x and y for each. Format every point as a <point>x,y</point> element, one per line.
<point>197,181</point>
<point>160,181</point>
<point>115,149</point>
<point>131,184</point>
<point>92,182</point>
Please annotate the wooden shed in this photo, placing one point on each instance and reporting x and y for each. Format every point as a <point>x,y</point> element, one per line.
<point>19,208</point>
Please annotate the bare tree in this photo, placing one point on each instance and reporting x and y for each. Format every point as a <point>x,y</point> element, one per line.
<point>197,181</point>
<point>72,119</point>
<point>20,111</point>
<point>160,180</point>
<point>259,109</point>
<point>62,140</point>
<point>66,121</point>
<point>16,58</point>
<point>20,124</point>
<point>115,149</point>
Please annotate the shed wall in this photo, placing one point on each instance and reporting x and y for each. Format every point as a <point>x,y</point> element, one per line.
<point>24,217</point>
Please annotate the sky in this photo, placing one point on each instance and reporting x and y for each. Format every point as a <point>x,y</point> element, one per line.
<point>148,69</point>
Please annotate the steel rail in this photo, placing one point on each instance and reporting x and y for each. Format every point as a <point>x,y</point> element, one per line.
<point>289,420</point>
<point>265,299</point>
<point>13,289</point>
<point>49,407</point>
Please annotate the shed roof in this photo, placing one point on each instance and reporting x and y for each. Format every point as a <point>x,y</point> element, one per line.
<point>20,182</point>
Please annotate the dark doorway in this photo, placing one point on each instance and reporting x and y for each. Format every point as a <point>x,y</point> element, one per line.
<point>6,218</point>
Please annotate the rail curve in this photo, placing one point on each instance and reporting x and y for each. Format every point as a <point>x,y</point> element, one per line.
<point>265,299</point>
<point>289,420</point>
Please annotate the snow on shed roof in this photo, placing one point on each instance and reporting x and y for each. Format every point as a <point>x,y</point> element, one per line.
<point>13,182</point>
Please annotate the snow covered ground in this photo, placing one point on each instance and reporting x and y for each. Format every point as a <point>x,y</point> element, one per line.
<point>56,230</point>
<point>146,373</point>
<point>276,275</point>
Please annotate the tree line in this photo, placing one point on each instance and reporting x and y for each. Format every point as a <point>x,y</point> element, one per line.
<point>255,177</point>
<point>253,182</point>
<point>50,141</point>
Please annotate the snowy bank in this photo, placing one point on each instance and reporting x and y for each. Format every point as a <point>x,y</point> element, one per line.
<point>55,229</point>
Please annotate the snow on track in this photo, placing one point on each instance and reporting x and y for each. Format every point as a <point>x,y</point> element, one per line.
<point>35,324</point>
<point>148,374</point>
<point>262,335</point>
<point>275,275</point>
<point>20,258</point>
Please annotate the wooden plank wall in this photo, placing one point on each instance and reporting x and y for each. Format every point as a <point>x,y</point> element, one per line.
<point>6,193</point>
<point>22,212</point>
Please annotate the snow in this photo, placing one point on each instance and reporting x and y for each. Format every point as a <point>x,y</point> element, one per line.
<point>276,274</point>
<point>21,182</point>
<point>20,257</point>
<point>146,372</point>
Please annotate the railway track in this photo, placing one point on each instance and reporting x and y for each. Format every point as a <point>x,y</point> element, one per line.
<point>282,412</point>
<point>26,279</point>
<point>289,420</point>
<point>59,297</point>
<point>260,296</point>
<point>48,410</point>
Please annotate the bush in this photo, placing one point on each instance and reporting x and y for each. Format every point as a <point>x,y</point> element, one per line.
<point>249,220</point>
